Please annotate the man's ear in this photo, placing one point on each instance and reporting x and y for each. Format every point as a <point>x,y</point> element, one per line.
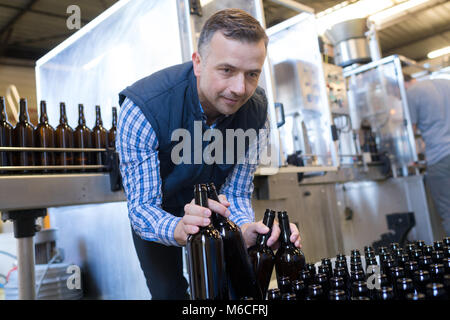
<point>196,61</point>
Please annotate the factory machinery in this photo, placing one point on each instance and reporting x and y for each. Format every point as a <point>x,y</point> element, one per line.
<point>344,161</point>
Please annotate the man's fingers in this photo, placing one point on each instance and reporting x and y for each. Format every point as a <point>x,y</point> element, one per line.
<point>195,220</point>
<point>274,235</point>
<point>223,200</point>
<point>196,210</point>
<point>190,229</point>
<point>218,208</point>
<point>295,236</point>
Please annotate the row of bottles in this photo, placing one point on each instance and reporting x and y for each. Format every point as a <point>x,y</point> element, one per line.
<point>288,260</point>
<point>416,272</point>
<point>45,136</point>
<point>219,266</point>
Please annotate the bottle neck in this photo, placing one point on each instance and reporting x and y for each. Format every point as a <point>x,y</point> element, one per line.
<point>285,229</point>
<point>261,239</point>
<point>23,115</point>
<point>63,117</point>
<point>44,117</point>
<point>201,198</point>
<point>81,118</point>
<point>98,117</point>
<point>212,194</point>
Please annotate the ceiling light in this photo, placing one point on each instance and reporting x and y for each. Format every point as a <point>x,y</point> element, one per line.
<point>438,53</point>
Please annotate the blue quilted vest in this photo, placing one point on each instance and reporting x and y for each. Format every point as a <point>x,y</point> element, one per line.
<point>169,101</point>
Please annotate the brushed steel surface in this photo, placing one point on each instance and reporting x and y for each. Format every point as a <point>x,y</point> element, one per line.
<point>26,272</point>
<point>54,190</point>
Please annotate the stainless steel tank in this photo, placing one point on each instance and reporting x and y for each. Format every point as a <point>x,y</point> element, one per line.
<point>350,42</point>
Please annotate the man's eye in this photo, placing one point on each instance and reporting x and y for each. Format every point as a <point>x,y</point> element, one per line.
<point>226,70</point>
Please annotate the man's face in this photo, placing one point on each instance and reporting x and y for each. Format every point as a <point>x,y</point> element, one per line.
<point>227,73</point>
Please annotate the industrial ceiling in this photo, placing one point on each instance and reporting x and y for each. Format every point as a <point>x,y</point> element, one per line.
<point>31,28</point>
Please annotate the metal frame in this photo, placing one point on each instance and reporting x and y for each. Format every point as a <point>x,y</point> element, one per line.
<point>270,32</point>
<point>397,60</point>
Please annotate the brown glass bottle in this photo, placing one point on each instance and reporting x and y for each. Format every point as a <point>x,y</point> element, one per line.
<point>44,136</point>
<point>289,260</point>
<point>99,139</point>
<point>262,256</point>
<point>240,274</point>
<point>112,132</point>
<point>207,275</point>
<point>63,139</point>
<point>82,139</point>
<point>6,131</point>
<point>23,136</point>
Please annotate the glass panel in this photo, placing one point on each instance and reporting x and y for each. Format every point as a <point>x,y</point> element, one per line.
<point>119,47</point>
<point>265,81</point>
<point>376,95</point>
<point>300,85</point>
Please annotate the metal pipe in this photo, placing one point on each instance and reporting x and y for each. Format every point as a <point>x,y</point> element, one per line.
<point>25,268</point>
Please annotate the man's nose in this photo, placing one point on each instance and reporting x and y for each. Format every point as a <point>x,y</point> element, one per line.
<point>238,85</point>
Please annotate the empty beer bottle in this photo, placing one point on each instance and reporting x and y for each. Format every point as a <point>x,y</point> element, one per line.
<point>410,268</point>
<point>322,279</point>
<point>446,263</point>
<point>262,256</point>
<point>435,291</point>
<point>112,132</point>
<point>311,268</point>
<point>23,136</point>
<point>82,139</point>
<point>359,289</point>
<point>273,294</point>
<point>315,292</point>
<point>337,295</point>
<point>44,138</point>
<point>446,241</point>
<point>289,296</point>
<point>438,256</point>
<point>337,283</point>
<point>421,279</point>
<point>99,139</point>
<point>205,252</point>
<point>6,134</point>
<point>306,277</point>
<point>289,260</point>
<point>438,245</point>
<point>386,293</point>
<point>241,276</point>
<point>63,139</point>
<point>404,287</point>
<point>326,269</point>
<point>299,288</point>
<point>284,284</point>
<point>437,272</point>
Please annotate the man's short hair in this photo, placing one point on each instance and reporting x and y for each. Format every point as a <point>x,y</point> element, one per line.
<point>233,24</point>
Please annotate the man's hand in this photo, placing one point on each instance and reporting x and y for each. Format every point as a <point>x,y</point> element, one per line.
<point>251,230</point>
<point>196,216</point>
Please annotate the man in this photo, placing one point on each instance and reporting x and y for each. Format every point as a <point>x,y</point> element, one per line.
<point>218,89</point>
<point>429,107</point>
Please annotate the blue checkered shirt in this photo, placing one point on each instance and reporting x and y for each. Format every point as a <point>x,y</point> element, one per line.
<point>137,146</point>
